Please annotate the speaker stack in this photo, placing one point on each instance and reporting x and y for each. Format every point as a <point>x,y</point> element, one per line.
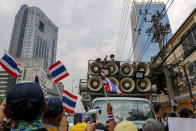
<point>127,83</point>
<point>143,85</point>
<point>121,74</point>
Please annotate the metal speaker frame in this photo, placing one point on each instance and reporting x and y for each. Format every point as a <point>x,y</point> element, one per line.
<point>143,85</point>
<point>95,67</point>
<point>126,69</point>
<point>128,83</point>
<point>143,67</point>
<point>95,83</point>
<point>113,67</point>
<point>114,80</point>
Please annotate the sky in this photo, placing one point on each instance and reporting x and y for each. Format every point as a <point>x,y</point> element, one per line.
<point>87,29</point>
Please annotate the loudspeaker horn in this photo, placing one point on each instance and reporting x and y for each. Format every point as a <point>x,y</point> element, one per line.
<point>95,67</point>
<point>113,67</point>
<point>126,69</point>
<point>95,83</point>
<point>143,67</point>
<point>143,85</point>
<point>114,80</point>
<point>127,85</point>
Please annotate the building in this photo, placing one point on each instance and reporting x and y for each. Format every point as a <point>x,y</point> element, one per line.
<point>140,39</point>
<point>34,35</point>
<point>6,82</point>
<point>29,68</point>
<point>181,47</point>
<point>32,66</point>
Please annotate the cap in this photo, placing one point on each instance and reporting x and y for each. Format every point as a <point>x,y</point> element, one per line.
<point>55,107</point>
<point>125,126</point>
<point>25,91</point>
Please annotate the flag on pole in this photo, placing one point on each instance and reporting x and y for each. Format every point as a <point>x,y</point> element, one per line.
<point>58,71</point>
<point>69,101</point>
<point>109,85</point>
<point>10,65</point>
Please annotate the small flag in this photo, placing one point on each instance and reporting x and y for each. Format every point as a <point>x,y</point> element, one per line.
<point>36,79</point>
<point>109,85</point>
<point>58,71</point>
<point>10,65</point>
<point>69,101</point>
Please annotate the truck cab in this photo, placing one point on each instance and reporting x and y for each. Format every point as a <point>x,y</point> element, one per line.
<point>136,110</point>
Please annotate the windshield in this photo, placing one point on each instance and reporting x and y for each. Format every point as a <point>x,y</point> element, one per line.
<point>70,120</point>
<point>131,110</point>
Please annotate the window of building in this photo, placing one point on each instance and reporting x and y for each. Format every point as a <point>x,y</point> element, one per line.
<point>41,26</point>
<point>189,41</point>
<point>192,68</point>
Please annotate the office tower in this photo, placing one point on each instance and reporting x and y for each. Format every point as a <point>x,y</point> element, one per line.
<point>34,35</point>
<point>139,27</point>
<point>6,82</point>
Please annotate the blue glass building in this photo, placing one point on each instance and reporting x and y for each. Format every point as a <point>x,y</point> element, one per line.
<point>139,27</point>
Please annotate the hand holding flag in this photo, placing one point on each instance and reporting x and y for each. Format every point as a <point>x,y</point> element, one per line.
<point>109,85</point>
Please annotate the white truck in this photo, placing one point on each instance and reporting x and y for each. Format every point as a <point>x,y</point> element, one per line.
<point>133,109</point>
<point>134,105</point>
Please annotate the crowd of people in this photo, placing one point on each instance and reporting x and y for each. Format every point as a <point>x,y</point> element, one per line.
<point>26,109</point>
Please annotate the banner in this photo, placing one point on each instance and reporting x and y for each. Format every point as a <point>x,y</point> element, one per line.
<point>181,124</point>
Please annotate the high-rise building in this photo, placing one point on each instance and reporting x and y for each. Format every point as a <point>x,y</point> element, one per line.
<point>6,82</point>
<point>34,35</point>
<point>139,27</point>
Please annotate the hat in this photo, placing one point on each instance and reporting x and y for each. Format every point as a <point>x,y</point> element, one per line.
<point>55,107</point>
<point>125,126</point>
<point>25,91</point>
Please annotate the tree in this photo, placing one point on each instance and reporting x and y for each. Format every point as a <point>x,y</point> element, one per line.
<point>1,100</point>
<point>158,78</point>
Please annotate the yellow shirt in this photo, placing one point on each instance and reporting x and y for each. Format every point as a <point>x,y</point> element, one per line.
<point>78,127</point>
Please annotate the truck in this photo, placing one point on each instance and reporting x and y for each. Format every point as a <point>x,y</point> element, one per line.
<point>135,105</point>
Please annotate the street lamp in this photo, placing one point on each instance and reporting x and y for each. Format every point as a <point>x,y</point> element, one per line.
<point>73,80</point>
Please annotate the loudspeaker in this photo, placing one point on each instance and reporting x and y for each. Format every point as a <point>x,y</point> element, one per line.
<point>143,67</point>
<point>126,69</point>
<point>95,67</point>
<point>114,80</point>
<point>127,85</point>
<point>113,67</point>
<point>95,83</point>
<point>82,86</point>
<point>143,85</point>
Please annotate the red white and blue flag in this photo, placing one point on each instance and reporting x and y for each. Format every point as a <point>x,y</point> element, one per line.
<point>58,71</point>
<point>109,85</point>
<point>10,65</point>
<point>69,101</point>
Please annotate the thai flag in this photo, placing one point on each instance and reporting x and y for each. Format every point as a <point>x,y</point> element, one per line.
<point>58,71</point>
<point>69,101</point>
<point>108,84</point>
<point>10,65</point>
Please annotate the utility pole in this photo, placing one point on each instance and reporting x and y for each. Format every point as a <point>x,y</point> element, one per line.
<point>188,84</point>
<point>159,31</point>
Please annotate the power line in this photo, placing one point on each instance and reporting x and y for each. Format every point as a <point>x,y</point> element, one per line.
<point>122,26</point>
<point>125,29</point>
<point>131,52</point>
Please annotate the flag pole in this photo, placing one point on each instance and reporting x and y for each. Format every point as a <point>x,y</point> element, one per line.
<point>106,95</point>
<point>58,90</point>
